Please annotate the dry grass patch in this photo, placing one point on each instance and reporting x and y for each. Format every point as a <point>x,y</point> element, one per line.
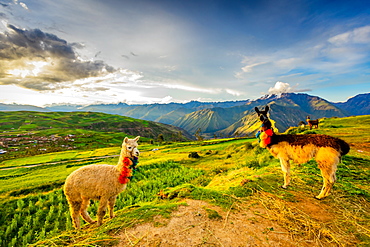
<point>321,223</point>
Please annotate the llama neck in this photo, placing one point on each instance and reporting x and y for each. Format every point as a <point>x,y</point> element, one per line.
<point>122,156</point>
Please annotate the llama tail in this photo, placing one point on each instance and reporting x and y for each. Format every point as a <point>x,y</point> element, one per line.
<point>344,147</point>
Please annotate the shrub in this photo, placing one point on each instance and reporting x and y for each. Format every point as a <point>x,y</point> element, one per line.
<point>248,146</point>
<point>194,155</point>
<point>213,214</point>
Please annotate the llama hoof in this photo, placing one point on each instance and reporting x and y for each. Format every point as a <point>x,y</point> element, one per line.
<point>112,216</point>
<point>318,198</point>
<point>284,187</point>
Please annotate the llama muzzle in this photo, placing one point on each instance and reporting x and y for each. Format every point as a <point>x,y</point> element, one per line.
<point>135,153</point>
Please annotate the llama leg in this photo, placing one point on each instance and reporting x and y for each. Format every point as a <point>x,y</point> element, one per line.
<point>332,180</point>
<point>111,203</point>
<point>83,211</point>
<point>328,169</point>
<point>102,210</point>
<point>74,208</point>
<point>325,188</point>
<point>329,179</point>
<point>285,167</point>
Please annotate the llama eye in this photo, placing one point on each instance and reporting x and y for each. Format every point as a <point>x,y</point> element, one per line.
<point>129,147</point>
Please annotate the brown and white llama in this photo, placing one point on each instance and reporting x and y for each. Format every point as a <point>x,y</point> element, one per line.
<point>312,123</point>
<point>100,182</point>
<point>326,150</point>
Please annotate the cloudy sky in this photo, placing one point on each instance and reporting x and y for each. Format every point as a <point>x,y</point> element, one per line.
<point>161,51</point>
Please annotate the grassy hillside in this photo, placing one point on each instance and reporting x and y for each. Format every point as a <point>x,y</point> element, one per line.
<point>172,116</point>
<point>36,121</point>
<point>207,120</point>
<point>27,133</point>
<point>239,181</point>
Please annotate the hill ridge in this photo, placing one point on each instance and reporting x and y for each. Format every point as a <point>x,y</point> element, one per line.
<point>229,117</point>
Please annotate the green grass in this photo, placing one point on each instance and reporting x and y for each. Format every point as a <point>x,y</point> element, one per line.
<point>43,210</point>
<point>128,217</point>
<point>228,172</point>
<point>23,178</point>
<point>59,156</point>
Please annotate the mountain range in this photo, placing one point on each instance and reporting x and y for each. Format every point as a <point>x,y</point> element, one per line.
<point>225,118</point>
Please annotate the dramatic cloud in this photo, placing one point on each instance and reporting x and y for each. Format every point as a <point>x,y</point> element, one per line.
<point>42,61</point>
<point>149,51</point>
<point>283,87</point>
<point>280,87</point>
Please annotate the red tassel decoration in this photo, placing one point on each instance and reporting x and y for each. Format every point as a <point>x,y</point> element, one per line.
<point>126,171</point>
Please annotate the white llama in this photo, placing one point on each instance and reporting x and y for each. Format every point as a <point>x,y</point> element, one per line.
<point>100,182</point>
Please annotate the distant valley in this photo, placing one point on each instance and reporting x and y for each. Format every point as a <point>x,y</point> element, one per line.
<point>231,118</point>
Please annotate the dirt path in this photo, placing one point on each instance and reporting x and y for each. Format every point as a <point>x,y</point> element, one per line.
<point>191,226</point>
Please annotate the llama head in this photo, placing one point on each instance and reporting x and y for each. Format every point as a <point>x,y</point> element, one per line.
<point>263,117</point>
<point>129,146</point>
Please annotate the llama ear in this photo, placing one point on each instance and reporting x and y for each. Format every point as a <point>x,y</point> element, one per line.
<point>125,140</point>
<point>256,109</point>
<point>267,108</point>
<point>136,138</point>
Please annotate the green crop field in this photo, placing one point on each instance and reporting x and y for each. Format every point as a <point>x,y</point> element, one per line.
<point>232,174</point>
